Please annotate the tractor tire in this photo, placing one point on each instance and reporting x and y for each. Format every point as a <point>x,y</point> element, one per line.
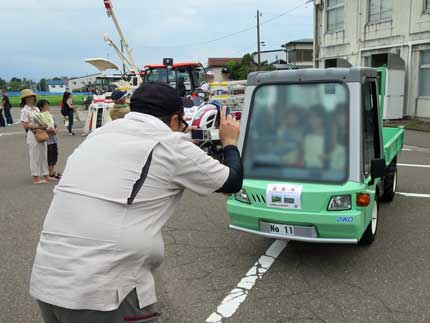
<point>390,182</point>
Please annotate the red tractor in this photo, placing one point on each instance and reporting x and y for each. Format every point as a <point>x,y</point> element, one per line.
<point>186,77</point>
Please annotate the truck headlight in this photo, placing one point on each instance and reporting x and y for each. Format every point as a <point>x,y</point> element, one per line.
<point>242,196</point>
<point>340,203</point>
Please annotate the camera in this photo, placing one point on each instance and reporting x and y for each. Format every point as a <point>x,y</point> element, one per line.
<point>201,134</point>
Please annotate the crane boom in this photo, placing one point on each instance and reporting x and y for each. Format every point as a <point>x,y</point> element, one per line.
<point>130,59</point>
<point>122,57</point>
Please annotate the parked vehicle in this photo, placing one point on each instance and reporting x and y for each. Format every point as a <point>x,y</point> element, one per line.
<point>317,160</point>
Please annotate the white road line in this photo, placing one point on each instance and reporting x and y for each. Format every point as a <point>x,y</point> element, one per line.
<point>415,148</point>
<point>238,295</point>
<point>414,194</point>
<point>414,165</point>
<point>12,133</point>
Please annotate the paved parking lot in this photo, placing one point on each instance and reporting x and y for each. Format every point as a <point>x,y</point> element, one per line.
<point>386,282</point>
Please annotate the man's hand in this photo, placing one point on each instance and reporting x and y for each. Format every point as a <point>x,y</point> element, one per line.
<point>229,129</point>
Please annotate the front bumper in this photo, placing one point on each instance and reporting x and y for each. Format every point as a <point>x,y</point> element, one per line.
<point>345,227</point>
<point>295,238</point>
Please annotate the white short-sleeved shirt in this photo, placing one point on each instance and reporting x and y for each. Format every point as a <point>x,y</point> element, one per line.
<point>27,115</point>
<point>96,247</point>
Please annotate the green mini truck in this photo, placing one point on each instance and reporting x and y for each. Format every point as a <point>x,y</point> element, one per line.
<point>317,160</point>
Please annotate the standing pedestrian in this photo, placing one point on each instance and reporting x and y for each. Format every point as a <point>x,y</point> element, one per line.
<point>2,123</point>
<point>37,150</point>
<point>120,108</point>
<point>102,239</point>
<point>7,106</point>
<point>43,106</point>
<point>226,74</point>
<point>68,110</point>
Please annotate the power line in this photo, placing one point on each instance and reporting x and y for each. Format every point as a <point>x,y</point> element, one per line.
<point>231,34</point>
<point>285,13</point>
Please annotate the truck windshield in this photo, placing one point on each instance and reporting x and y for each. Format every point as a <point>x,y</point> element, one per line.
<point>160,75</point>
<point>298,132</point>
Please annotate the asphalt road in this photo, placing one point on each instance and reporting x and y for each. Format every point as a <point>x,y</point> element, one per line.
<point>386,282</point>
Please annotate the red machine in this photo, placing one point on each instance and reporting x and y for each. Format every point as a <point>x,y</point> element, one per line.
<point>186,77</point>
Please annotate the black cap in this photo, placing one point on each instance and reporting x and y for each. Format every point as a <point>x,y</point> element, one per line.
<point>158,100</point>
<point>118,95</point>
<point>225,70</point>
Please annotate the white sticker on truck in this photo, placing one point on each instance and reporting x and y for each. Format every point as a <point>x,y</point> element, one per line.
<point>284,196</point>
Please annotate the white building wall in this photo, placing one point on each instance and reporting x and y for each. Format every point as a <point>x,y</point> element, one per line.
<point>56,88</point>
<point>217,73</point>
<point>407,33</point>
<point>81,82</point>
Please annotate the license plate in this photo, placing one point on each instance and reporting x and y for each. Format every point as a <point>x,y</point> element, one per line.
<point>281,229</point>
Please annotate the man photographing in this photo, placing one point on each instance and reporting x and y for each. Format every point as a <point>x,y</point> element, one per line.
<point>102,237</point>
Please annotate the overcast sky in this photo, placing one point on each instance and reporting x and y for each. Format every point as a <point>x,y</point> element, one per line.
<point>47,38</point>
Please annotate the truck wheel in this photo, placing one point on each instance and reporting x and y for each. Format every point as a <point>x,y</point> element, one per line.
<point>371,230</point>
<point>390,182</point>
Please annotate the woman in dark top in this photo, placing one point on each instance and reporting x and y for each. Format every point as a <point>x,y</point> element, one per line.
<point>6,104</point>
<point>67,110</point>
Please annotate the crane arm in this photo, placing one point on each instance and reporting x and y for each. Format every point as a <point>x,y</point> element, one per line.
<point>131,62</point>
<point>122,57</point>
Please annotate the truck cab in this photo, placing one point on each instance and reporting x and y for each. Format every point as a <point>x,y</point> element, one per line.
<point>317,160</point>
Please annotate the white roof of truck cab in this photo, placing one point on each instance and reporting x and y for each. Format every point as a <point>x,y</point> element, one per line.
<point>354,74</point>
<point>102,64</point>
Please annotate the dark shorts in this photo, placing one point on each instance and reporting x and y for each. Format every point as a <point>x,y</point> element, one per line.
<point>128,312</point>
<point>52,154</point>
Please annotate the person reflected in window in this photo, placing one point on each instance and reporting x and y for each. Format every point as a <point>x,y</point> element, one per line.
<point>314,144</point>
<point>290,137</point>
<point>180,87</point>
<point>337,158</point>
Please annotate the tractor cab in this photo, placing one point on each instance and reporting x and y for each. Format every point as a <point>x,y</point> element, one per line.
<point>185,77</point>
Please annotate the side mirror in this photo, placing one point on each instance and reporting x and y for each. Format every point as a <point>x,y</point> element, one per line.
<point>168,61</point>
<point>377,169</point>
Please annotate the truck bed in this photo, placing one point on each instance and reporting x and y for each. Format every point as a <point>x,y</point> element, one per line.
<point>393,142</point>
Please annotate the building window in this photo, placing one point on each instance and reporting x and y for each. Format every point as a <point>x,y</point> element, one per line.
<point>425,74</point>
<point>426,5</point>
<point>335,15</point>
<point>300,55</point>
<point>380,10</point>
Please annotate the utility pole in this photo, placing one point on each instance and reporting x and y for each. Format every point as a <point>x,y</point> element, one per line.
<point>123,65</point>
<point>258,40</point>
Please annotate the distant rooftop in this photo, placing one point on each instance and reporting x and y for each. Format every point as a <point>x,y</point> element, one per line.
<point>222,61</point>
<point>56,82</point>
<point>299,41</point>
<point>81,77</point>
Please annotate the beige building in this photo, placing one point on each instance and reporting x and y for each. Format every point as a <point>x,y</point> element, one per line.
<point>216,64</point>
<point>300,52</point>
<point>395,33</point>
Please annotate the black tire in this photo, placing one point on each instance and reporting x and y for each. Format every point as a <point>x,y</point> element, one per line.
<point>371,231</point>
<point>390,182</point>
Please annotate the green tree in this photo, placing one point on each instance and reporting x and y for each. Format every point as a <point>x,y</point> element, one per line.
<point>15,79</point>
<point>3,84</point>
<point>15,86</point>
<point>42,85</point>
<point>240,71</point>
